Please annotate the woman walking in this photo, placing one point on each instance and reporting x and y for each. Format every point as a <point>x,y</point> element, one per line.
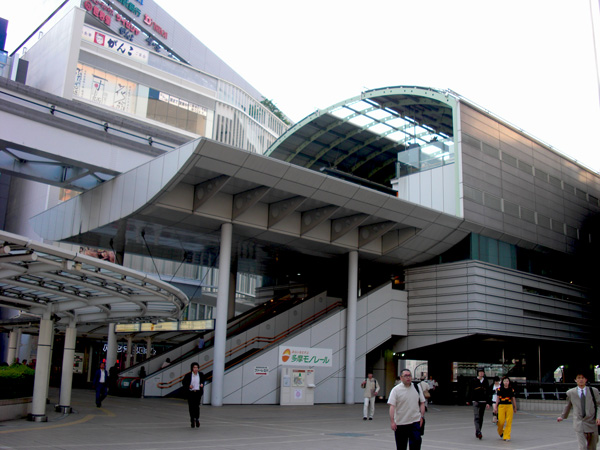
<point>194,382</point>
<point>505,407</point>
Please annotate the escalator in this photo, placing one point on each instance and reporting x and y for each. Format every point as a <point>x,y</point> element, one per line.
<point>247,334</point>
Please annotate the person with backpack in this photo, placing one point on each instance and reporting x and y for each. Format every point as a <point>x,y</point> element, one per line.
<point>407,412</point>
<point>371,389</point>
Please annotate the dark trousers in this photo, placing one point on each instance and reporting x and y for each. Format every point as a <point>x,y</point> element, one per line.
<point>408,434</point>
<point>478,412</point>
<point>101,392</point>
<point>194,404</point>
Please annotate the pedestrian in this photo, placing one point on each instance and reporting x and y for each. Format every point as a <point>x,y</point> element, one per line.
<point>100,383</point>
<point>194,383</point>
<point>407,412</point>
<point>495,387</point>
<point>585,412</point>
<point>113,374</point>
<point>479,396</point>
<point>370,389</point>
<point>432,386</point>
<point>424,385</point>
<point>504,407</point>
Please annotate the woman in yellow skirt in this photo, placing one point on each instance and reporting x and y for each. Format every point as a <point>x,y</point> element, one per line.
<point>505,407</point>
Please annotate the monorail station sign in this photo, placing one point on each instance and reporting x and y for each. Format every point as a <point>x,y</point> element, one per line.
<point>305,356</point>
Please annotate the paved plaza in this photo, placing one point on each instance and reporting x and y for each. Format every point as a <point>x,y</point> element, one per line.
<point>157,424</point>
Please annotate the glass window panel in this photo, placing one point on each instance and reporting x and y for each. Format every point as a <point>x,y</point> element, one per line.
<point>491,151</point>
<point>543,221</point>
<point>488,249</point>
<point>508,159</point>
<point>525,167</point>
<point>475,246</point>
<point>492,201</point>
<point>507,255</point>
<point>541,175</point>
<point>554,181</point>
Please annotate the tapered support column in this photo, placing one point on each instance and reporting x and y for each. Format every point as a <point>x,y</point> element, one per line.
<point>351,326</point>
<point>111,347</point>
<point>42,372</point>
<point>66,382</point>
<point>18,344</point>
<point>12,347</point>
<point>221,316</point>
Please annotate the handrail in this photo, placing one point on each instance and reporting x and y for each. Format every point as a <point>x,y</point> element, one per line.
<point>259,339</point>
<point>234,325</point>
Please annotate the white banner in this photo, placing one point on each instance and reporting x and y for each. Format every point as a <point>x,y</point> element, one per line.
<point>305,356</point>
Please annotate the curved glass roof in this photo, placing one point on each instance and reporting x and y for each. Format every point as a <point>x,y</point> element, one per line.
<point>41,279</point>
<point>362,136</point>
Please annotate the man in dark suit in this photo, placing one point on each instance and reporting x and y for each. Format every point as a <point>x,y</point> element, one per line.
<point>193,383</point>
<point>585,412</point>
<point>100,383</point>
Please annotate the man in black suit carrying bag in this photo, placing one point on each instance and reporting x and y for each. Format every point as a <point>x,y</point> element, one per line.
<point>194,383</point>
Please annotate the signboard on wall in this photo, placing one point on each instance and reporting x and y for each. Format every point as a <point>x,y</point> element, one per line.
<point>78,363</point>
<point>305,356</point>
<point>119,46</point>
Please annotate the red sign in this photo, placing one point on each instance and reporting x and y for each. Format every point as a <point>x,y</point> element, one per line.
<point>151,23</point>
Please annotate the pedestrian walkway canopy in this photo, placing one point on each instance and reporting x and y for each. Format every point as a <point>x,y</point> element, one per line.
<point>39,279</point>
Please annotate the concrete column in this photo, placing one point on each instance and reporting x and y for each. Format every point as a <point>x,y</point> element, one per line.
<point>111,348</point>
<point>49,360</point>
<point>66,382</point>
<point>351,326</point>
<point>12,347</point>
<point>221,316</point>
<point>129,349</point>
<point>42,372</point>
<point>18,344</point>
<point>148,347</point>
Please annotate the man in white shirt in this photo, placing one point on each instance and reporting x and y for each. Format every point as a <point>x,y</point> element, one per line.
<point>585,412</point>
<point>371,389</point>
<point>407,409</point>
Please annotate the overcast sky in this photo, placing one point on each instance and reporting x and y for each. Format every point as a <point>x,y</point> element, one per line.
<point>531,62</point>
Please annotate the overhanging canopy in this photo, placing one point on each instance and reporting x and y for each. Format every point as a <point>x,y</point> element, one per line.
<point>40,280</point>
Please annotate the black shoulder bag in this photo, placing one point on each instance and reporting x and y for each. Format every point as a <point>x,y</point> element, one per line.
<point>416,385</point>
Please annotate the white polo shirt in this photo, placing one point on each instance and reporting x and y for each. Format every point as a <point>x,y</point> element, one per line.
<point>406,401</point>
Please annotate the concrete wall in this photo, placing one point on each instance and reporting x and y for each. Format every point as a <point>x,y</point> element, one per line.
<point>381,315</point>
<point>53,59</point>
<point>15,408</point>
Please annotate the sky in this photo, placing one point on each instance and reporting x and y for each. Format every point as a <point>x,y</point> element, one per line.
<point>530,62</point>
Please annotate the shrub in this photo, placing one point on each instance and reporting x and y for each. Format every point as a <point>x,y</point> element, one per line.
<point>16,381</point>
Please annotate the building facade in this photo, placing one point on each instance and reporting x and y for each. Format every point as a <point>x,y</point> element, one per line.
<point>490,232</point>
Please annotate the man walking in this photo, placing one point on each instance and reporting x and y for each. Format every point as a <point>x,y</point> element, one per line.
<point>585,412</point>
<point>407,409</point>
<point>371,389</point>
<point>479,395</point>
<point>100,383</point>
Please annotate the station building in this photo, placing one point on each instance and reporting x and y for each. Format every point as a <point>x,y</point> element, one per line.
<point>450,237</point>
